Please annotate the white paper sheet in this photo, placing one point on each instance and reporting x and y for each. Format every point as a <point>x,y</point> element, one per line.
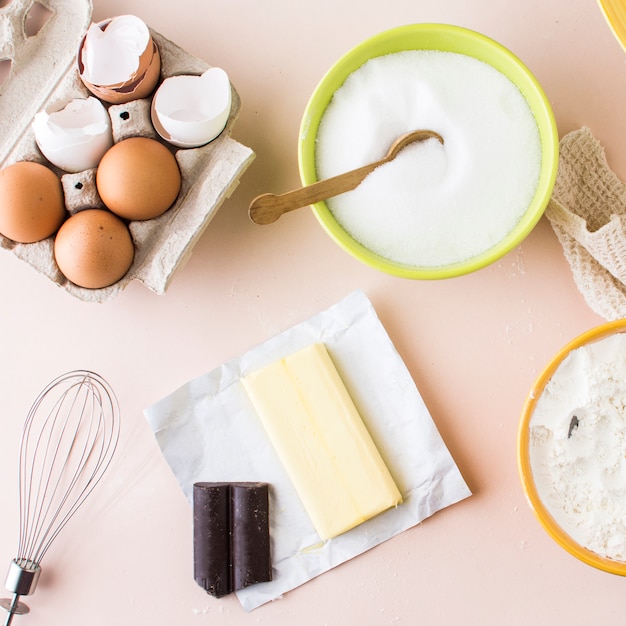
<point>208,431</point>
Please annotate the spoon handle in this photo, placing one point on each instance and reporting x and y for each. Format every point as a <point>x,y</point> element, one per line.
<point>268,207</point>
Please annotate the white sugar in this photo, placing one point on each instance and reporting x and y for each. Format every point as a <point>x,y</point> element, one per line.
<point>433,205</point>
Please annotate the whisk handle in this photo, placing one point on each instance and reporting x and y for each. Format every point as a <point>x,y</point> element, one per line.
<point>14,607</point>
<point>22,577</point>
<point>21,581</point>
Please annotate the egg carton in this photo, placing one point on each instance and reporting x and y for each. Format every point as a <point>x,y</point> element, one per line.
<point>44,75</point>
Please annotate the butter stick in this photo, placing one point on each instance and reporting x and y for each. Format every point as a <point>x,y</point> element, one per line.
<point>322,441</point>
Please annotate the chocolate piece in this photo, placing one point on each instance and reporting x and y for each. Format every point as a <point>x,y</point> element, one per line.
<point>250,543</point>
<point>231,536</point>
<point>211,531</point>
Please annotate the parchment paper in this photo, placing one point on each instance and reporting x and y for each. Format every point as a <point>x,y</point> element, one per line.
<point>208,431</point>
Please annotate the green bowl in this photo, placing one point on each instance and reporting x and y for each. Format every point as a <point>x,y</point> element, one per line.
<point>444,38</point>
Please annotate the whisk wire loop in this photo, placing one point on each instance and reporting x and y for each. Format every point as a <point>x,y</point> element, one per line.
<point>67,457</point>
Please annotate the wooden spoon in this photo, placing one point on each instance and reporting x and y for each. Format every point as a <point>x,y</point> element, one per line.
<point>268,207</point>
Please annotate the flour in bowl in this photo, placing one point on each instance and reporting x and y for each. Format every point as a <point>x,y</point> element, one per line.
<point>578,446</point>
<point>433,205</point>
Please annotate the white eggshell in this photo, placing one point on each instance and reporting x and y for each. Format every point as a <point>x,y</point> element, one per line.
<point>193,110</point>
<point>76,137</point>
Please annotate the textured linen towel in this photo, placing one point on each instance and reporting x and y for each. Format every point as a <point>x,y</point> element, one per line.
<point>588,214</point>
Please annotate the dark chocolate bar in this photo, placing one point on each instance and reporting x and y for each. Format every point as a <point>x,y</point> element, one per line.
<point>231,536</point>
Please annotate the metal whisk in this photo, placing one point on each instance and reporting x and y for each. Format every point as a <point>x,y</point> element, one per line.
<point>69,438</point>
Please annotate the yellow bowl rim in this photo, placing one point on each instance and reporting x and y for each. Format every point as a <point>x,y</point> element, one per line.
<point>523,459</point>
<point>549,142</point>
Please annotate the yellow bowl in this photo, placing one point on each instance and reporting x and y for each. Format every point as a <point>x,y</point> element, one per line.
<point>523,452</point>
<point>614,12</point>
<point>444,38</point>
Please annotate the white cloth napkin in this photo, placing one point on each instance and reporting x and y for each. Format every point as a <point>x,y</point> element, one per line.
<point>209,431</point>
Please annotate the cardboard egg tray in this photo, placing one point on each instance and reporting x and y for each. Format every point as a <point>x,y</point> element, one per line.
<point>44,75</point>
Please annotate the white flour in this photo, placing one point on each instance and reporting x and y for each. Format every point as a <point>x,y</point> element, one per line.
<point>578,446</point>
<point>433,205</point>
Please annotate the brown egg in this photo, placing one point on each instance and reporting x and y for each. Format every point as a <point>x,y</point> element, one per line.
<point>138,178</point>
<point>31,202</point>
<point>94,249</point>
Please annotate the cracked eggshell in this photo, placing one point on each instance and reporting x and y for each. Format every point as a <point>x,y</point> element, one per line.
<point>190,111</point>
<point>118,61</point>
<point>76,137</point>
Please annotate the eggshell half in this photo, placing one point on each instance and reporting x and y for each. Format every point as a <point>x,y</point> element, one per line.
<point>140,81</point>
<point>76,137</point>
<point>193,110</point>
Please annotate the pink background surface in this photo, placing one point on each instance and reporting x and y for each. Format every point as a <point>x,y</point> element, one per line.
<point>474,345</point>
